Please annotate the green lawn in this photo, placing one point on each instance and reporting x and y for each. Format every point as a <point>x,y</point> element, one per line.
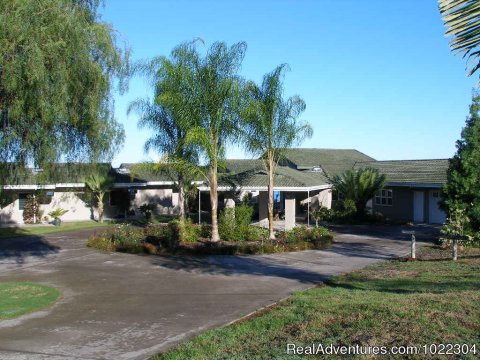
<point>388,304</point>
<point>18,298</point>
<point>49,229</point>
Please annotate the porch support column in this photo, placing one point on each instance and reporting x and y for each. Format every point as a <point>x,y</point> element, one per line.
<point>308,208</point>
<point>199,206</point>
<point>263,205</point>
<point>289,211</point>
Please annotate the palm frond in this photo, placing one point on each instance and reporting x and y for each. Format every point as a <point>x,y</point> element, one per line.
<point>462,19</point>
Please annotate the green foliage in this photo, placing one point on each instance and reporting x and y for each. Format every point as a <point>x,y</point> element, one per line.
<point>349,209</point>
<point>462,17</point>
<point>210,100</point>
<point>456,226</point>
<point>56,70</point>
<point>166,117</point>
<point>269,124</point>
<point>321,214</point>
<point>99,184</point>
<point>146,210</point>
<point>462,190</point>
<point>234,225</point>
<point>31,210</point>
<point>359,186</point>
<point>57,213</point>
<point>300,234</point>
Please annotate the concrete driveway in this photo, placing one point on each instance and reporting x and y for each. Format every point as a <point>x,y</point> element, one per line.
<point>121,306</point>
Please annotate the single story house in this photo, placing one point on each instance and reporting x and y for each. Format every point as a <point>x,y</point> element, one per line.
<point>301,184</point>
<point>412,191</point>
<point>64,187</point>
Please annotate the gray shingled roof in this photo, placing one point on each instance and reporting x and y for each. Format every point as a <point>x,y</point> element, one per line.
<point>284,177</point>
<point>332,161</point>
<point>411,171</point>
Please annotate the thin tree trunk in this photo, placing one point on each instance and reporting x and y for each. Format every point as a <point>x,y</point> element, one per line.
<point>271,233</point>
<point>100,207</point>
<point>181,199</point>
<point>214,202</point>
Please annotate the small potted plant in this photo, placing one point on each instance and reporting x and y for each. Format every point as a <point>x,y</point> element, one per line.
<point>56,214</point>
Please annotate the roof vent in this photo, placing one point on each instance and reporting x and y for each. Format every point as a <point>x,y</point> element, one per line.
<point>316,169</point>
<point>122,170</point>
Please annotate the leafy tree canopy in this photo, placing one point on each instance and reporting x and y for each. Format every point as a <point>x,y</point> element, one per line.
<point>462,190</point>
<point>57,67</point>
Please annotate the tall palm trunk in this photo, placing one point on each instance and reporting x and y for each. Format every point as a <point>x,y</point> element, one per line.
<point>214,203</point>
<point>181,198</point>
<point>100,207</point>
<point>271,233</point>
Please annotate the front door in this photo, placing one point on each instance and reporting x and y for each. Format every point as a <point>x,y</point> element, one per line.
<point>418,207</point>
<point>435,214</point>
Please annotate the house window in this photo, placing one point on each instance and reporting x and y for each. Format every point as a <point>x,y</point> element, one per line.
<point>22,199</point>
<point>384,197</point>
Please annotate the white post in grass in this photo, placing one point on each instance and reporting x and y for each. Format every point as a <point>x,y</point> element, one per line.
<point>413,247</point>
<point>454,249</point>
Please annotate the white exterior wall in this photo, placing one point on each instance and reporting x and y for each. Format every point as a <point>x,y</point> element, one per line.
<point>11,214</point>
<point>162,198</point>
<point>68,200</point>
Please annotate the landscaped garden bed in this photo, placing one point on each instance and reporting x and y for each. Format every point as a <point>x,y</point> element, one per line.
<point>179,237</point>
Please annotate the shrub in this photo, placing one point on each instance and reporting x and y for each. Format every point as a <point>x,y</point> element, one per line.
<point>31,210</point>
<point>243,217</point>
<point>317,236</point>
<point>154,234</point>
<point>322,213</point>
<point>349,208</point>
<point>179,231</point>
<point>146,210</point>
<point>206,231</point>
<point>234,224</point>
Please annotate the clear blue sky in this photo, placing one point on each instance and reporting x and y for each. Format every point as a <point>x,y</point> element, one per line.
<point>377,76</point>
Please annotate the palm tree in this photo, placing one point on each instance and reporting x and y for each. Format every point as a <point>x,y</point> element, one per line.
<point>462,18</point>
<point>213,102</point>
<point>99,184</point>
<point>359,186</point>
<point>270,126</point>
<point>165,115</point>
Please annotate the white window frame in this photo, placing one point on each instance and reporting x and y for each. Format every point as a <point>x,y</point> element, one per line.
<point>384,197</point>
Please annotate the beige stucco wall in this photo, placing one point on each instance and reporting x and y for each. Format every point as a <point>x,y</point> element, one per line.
<point>78,210</point>
<point>162,198</point>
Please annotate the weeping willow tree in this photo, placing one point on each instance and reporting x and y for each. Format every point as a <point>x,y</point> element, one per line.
<point>173,82</point>
<point>462,18</point>
<point>270,126</point>
<point>359,186</point>
<point>57,69</point>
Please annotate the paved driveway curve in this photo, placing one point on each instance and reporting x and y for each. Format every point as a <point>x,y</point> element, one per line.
<point>121,306</point>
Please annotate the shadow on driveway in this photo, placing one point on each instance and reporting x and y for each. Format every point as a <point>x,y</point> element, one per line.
<point>17,249</point>
<point>311,266</point>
